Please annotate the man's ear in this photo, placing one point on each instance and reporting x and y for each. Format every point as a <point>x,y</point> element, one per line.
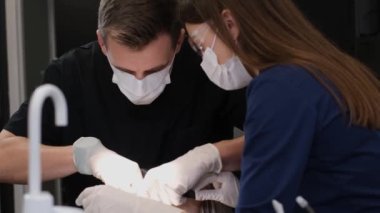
<point>102,42</point>
<point>180,40</point>
<point>231,24</point>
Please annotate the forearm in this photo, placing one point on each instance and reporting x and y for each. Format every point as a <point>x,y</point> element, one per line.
<point>56,161</point>
<point>230,153</point>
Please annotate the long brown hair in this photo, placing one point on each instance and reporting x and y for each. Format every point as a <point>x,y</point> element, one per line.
<point>276,32</point>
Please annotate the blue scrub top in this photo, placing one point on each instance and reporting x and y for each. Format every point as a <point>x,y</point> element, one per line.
<point>298,142</point>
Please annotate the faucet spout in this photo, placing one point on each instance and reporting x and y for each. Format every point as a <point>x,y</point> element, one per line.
<point>34,129</point>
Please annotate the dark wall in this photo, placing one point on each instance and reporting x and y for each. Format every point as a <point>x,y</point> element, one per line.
<point>4,106</point>
<point>334,18</point>
<point>6,190</point>
<point>353,25</point>
<point>36,44</point>
<point>368,33</point>
<point>339,20</point>
<point>76,23</point>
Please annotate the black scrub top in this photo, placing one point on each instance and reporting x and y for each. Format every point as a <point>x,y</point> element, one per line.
<point>190,112</point>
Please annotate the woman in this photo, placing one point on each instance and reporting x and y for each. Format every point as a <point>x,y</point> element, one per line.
<point>313,112</point>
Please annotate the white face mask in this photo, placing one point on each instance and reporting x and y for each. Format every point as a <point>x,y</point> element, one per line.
<point>145,91</point>
<point>229,76</point>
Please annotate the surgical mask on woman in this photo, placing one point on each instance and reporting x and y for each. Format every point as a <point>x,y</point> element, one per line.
<point>231,75</point>
<point>145,91</point>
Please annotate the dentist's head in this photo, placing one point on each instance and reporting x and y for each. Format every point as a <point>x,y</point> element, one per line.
<point>140,40</point>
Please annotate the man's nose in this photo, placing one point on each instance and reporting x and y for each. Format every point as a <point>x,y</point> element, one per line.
<point>139,76</point>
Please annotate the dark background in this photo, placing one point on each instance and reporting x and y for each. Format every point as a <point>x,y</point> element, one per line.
<point>6,190</point>
<point>76,23</point>
<point>350,25</point>
<point>334,18</point>
<point>339,20</point>
<point>3,69</point>
<point>345,22</point>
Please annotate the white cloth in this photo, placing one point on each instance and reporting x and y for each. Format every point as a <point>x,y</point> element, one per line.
<point>168,182</point>
<point>106,199</point>
<point>92,158</point>
<point>229,76</point>
<point>225,188</point>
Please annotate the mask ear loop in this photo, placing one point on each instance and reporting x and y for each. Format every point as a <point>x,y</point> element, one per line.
<point>171,65</point>
<point>213,42</point>
<point>199,36</point>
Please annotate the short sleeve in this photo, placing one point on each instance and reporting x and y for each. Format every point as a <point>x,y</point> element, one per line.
<point>17,124</point>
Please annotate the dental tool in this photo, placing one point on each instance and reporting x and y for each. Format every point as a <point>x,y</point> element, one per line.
<point>277,206</point>
<point>302,202</point>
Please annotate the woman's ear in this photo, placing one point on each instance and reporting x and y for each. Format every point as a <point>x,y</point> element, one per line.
<point>231,24</point>
<point>101,42</point>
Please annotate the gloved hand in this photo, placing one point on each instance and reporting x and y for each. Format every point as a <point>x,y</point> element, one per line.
<point>225,188</point>
<point>92,158</point>
<point>168,182</point>
<point>106,199</point>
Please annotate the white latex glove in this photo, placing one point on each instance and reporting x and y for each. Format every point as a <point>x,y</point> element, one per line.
<point>168,182</point>
<point>92,158</point>
<point>106,199</point>
<point>226,188</point>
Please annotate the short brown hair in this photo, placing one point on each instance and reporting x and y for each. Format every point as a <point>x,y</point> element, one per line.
<point>135,23</point>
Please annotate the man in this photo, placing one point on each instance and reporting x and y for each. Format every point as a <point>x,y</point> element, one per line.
<point>135,90</point>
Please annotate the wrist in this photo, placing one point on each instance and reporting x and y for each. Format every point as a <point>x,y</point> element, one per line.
<point>83,150</point>
<point>230,153</point>
<point>69,158</point>
<point>210,154</point>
